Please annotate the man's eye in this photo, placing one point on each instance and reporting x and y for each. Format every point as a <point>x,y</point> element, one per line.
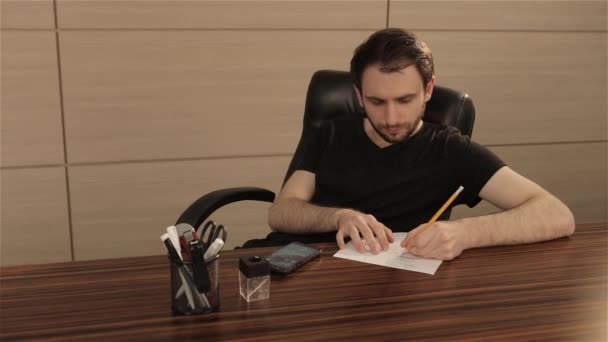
<point>404,100</point>
<point>376,102</point>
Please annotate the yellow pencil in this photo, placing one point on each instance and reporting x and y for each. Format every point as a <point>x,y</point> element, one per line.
<point>439,212</point>
<point>444,207</point>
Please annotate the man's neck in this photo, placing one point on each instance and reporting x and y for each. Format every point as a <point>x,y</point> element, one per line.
<point>377,139</point>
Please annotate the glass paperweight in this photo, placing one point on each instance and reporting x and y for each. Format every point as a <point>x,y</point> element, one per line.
<point>254,278</point>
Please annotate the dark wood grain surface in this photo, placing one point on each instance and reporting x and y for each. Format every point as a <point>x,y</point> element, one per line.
<point>553,291</point>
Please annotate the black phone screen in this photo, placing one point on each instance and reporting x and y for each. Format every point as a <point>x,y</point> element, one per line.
<point>291,257</point>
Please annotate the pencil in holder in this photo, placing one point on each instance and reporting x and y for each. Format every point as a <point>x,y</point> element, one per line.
<point>190,296</point>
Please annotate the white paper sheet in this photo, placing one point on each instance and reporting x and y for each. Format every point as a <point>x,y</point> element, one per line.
<point>393,257</point>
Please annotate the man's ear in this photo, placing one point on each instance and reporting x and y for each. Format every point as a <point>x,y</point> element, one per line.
<point>428,91</point>
<point>359,97</point>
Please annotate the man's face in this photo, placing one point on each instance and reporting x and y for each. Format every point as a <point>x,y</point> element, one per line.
<point>394,103</point>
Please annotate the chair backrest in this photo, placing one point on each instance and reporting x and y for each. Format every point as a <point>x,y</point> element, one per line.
<point>331,95</point>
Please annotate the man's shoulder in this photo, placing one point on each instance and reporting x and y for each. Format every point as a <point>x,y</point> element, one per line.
<point>445,133</point>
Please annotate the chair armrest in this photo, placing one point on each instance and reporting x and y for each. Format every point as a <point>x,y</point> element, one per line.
<point>198,211</point>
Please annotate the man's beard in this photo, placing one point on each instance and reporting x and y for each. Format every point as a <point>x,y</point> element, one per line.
<point>409,129</point>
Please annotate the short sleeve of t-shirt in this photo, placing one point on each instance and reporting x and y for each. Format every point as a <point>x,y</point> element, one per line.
<point>473,165</point>
<point>310,150</point>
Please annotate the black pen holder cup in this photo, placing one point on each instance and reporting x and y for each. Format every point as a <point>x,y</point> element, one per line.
<point>186,299</point>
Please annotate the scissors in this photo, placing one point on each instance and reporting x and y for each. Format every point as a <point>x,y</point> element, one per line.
<point>214,233</point>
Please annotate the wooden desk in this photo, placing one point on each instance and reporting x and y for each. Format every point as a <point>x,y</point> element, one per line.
<point>554,290</point>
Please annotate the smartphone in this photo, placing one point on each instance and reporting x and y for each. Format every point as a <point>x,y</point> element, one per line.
<point>291,257</point>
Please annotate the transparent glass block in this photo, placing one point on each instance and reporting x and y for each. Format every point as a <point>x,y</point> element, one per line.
<point>254,288</point>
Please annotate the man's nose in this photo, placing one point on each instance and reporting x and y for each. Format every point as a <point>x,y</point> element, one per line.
<point>391,114</point>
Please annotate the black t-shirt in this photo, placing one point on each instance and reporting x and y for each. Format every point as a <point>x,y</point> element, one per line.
<point>403,184</point>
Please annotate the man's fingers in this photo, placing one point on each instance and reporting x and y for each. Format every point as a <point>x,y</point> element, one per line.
<point>418,252</point>
<point>417,237</point>
<point>369,237</point>
<point>424,237</point>
<point>380,232</point>
<point>435,253</point>
<point>407,242</point>
<point>421,252</point>
<point>425,251</point>
<point>340,239</point>
<point>356,239</point>
<point>389,234</point>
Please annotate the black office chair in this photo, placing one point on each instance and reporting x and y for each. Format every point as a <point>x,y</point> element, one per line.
<point>331,95</point>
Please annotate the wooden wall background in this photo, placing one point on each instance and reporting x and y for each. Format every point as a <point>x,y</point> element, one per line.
<point>115,115</point>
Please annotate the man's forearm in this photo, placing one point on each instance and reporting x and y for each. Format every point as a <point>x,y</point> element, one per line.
<point>543,217</point>
<point>300,217</point>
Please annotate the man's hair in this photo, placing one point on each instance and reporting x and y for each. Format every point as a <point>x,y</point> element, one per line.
<point>394,49</point>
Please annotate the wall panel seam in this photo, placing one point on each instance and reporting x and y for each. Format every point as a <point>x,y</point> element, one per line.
<point>144,29</point>
<point>388,12</point>
<point>414,29</point>
<point>417,30</point>
<point>30,167</point>
<point>254,29</point>
<point>63,133</point>
<point>169,160</point>
<point>504,31</point>
<point>28,29</point>
<point>548,143</point>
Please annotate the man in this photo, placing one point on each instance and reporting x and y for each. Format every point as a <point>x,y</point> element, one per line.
<point>362,178</point>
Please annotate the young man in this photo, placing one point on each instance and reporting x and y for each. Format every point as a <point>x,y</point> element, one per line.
<point>363,178</point>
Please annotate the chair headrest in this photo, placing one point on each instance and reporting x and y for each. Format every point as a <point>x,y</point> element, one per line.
<point>331,95</point>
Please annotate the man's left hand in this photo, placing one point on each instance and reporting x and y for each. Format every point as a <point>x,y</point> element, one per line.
<point>442,240</point>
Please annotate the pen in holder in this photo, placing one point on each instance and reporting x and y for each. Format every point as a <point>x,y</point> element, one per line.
<point>194,267</point>
<point>186,298</point>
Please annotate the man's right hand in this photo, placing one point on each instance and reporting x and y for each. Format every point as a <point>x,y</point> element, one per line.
<point>362,227</point>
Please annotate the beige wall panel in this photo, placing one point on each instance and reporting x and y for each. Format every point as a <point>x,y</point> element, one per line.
<point>222,14</point>
<point>575,173</point>
<point>34,220</point>
<point>122,209</point>
<point>146,95</point>
<point>31,132</point>
<point>499,15</point>
<point>527,87</point>
<point>19,14</point>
